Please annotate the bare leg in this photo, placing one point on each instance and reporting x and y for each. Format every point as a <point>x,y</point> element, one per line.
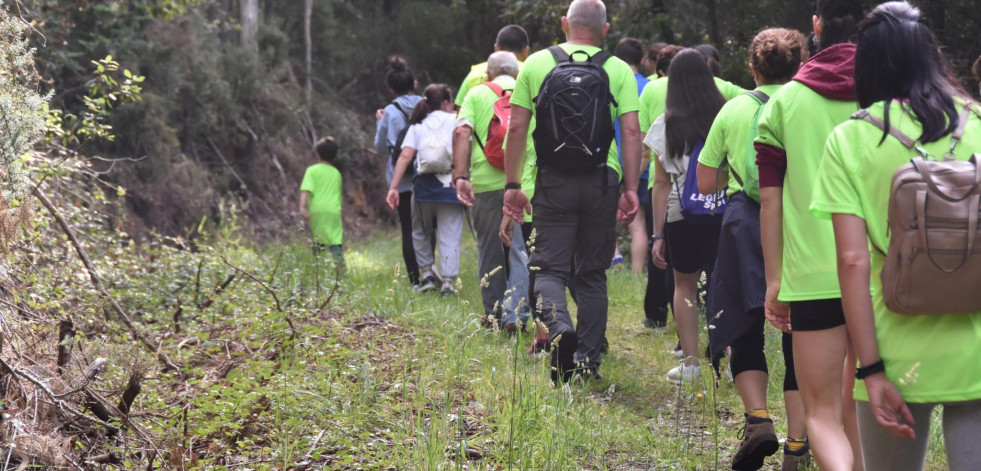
<point>686,315</point>
<point>751,386</point>
<point>818,357</point>
<point>848,414</point>
<point>796,420</point>
<point>638,244</point>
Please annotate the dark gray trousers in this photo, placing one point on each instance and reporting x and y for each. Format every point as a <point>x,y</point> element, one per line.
<point>574,219</point>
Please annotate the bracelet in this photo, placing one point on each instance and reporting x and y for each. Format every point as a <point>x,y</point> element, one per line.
<point>460,177</point>
<point>512,186</point>
<point>863,372</point>
<point>657,237</point>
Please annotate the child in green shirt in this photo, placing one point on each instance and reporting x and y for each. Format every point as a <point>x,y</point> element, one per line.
<point>320,200</point>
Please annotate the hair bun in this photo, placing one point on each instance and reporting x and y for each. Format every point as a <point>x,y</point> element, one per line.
<point>397,64</point>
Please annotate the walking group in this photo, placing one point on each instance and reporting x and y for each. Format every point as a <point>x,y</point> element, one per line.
<point>838,200</point>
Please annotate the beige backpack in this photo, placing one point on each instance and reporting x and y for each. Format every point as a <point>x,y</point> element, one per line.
<point>933,265</point>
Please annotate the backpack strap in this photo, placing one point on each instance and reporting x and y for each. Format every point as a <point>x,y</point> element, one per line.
<point>762,98</point>
<point>600,58</point>
<point>401,110</point>
<point>864,115</point>
<point>559,54</point>
<point>497,88</point>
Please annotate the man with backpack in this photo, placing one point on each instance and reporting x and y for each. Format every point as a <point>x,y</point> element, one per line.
<point>573,92</point>
<point>484,117</point>
<point>511,38</point>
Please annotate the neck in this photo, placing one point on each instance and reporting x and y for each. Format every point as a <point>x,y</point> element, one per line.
<point>633,68</point>
<point>581,39</point>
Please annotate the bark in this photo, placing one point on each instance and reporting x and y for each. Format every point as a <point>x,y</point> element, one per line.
<point>308,47</point>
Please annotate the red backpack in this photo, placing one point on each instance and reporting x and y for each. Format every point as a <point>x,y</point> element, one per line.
<point>494,147</point>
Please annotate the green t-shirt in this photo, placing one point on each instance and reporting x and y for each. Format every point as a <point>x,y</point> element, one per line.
<point>799,121</point>
<point>729,139</point>
<point>623,86</point>
<point>477,76</point>
<point>323,182</point>
<point>478,109</point>
<point>653,100</point>
<point>942,351</point>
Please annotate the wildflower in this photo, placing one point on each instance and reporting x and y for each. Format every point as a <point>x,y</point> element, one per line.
<point>911,376</point>
<point>391,292</point>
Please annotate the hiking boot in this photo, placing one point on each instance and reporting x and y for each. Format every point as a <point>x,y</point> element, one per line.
<point>684,374</point>
<point>583,374</point>
<point>759,441</point>
<point>562,355</point>
<point>427,284</point>
<point>794,461</point>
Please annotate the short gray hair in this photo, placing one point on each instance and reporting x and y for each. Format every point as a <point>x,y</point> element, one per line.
<point>587,14</point>
<point>502,63</point>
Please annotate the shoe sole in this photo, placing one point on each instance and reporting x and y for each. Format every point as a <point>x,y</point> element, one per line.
<point>562,356</point>
<point>688,381</point>
<point>761,448</point>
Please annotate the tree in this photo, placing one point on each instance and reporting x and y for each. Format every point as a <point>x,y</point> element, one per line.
<point>249,17</point>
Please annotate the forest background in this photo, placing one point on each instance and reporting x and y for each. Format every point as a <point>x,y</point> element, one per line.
<point>236,91</point>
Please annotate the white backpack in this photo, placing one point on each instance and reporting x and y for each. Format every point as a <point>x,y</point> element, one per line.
<point>435,152</point>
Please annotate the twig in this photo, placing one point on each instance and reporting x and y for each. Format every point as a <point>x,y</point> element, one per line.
<point>133,388</point>
<point>216,292</point>
<point>279,306</point>
<point>93,276</point>
<point>337,284</point>
<point>66,332</point>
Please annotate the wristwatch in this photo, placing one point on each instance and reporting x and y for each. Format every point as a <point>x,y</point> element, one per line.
<point>863,372</point>
<point>460,177</point>
<point>657,237</point>
<point>512,186</point>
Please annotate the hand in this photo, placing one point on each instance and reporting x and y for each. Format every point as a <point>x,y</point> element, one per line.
<point>657,254</point>
<point>393,198</point>
<point>464,192</point>
<point>889,408</point>
<point>778,313</point>
<point>305,213</point>
<point>628,207</point>
<point>507,230</point>
<point>516,204</point>
<point>379,114</point>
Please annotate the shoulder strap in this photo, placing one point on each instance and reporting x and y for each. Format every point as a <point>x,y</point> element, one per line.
<point>864,115</point>
<point>559,54</point>
<point>497,88</point>
<point>759,95</point>
<point>600,58</point>
<point>401,110</point>
<point>962,122</point>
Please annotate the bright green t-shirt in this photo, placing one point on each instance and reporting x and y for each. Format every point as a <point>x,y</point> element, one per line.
<point>942,353</point>
<point>323,182</point>
<point>799,121</point>
<point>477,76</point>
<point>623,86</point>
<point>478,109</point>
<point>729,140</point>
<point>654,98</point>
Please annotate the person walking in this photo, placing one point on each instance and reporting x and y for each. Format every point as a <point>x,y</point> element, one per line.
<point>436,212</point>
<point>575,202</point>
<point>798,249</point>
<point>511,38</point>
<point>693,101</point>
<point>321,198</point>
<point>911,362</point>
<point>480,130</point>
<point>738,285</point>
<point>392,123</point>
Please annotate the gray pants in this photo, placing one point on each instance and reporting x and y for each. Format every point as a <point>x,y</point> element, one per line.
<point>448,221</point>
<point>502,270</point>
<point>575,219</point>
<point>961,426</point>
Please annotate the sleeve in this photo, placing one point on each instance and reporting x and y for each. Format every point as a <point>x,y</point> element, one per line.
<point>834,189</point>
<point>714,153</point>
<point>381,134</point>
<point>626,92</point>
<point>307,183</point>
<point>771,158</point>
<point>644,110</point>
<point>522,94</point>
<point>411,137</point>
<point>461,95</point>
<point>732,90</point>
<point>468,112</point>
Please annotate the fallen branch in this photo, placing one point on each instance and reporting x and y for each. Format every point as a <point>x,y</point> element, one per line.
<point>216,292</point>
<point>279,306</point>
<point>97,283</point>
<point>66,332</point>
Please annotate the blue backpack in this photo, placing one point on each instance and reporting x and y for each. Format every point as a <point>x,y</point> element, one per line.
<point>697,208</point>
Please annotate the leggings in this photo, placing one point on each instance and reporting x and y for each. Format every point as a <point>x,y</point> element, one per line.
<point>408,252</point>
<point>961,427</point>
<point>747,353</point>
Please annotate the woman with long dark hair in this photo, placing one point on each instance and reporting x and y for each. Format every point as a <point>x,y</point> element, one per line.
<point>738,283</point>
<point>392,121</point>
<point>910,363</point>
<point>437,214</point>
<point>693,100</point>
<point>798,249</point>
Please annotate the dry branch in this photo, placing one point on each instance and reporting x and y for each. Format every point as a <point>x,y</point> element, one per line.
<point>97,283</point>
<point>66,332</point>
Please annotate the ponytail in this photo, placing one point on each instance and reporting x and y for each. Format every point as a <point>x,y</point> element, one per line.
<point>433,98</point>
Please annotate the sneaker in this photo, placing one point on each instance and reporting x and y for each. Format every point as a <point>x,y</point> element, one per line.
<point>794,461</point>
<point>759,441</point>
<point>657,327</point>
<point>684,374</point>
<point>562,356</point>
<point>678,352</point>
<point>448,290</point>
<point>427,284</point>
<point>617,261</point>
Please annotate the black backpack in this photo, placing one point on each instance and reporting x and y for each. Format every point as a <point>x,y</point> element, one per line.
<point>396,150</point>
<point>574,129</point>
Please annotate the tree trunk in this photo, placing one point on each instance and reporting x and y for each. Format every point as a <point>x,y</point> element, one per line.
<point>249,17</point>
<point>308,47</point>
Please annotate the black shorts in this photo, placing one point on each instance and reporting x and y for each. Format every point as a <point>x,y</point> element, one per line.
<point>820,314</point>
<point>692,248</point>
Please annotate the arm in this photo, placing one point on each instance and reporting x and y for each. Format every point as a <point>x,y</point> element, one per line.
<point>659,206</point>
<point>854,273</point>
<point>771,233</point>
<point>461,151</point>
<point>304,209</point>
<point>381,134</point>
<point>631,146</point>
<point>516,201</point>
<point>709,181</point>
<point>405,159</point>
